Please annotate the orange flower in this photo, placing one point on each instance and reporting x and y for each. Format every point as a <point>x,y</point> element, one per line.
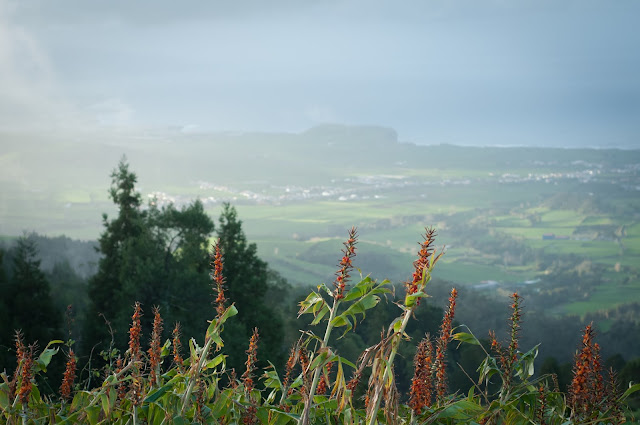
<point>27,375</point>
<point>177,357</point>
<point>423,261</point>
<point>69,376</point>
<point>345,265</point>
<point>252,358</point>
<point>156,346</point>
<point>134,333</point>
<point>441,348</point>
<point>586,391</point>
<point>421,384</point>
<point>218,278</point>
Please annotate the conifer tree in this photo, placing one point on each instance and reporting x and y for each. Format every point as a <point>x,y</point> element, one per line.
<point>29,303</point>
<point>247,280</point>
<point>157,256</point>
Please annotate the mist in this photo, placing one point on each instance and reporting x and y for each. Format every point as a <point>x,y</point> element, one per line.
<point>491,73</point>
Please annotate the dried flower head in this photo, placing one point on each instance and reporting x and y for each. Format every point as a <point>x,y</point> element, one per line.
<point>423,261</point>
<point>345,265</point>
<point>218,279</point>
<point>249,416</point>
<point>516,317</point>
<point>27,374</point>
<point>155,347</point>
<point>69,376</point>
<point>20,353</point>
<point>291,363</point>
<point>421,384</point>
<point>121,390</point>
<point>252,358</point>
<point>441,348</point>
<point>585,393</point>
<point>542,405</point>
<point>323,385</point>
<point>177,345</point>
<point>134,333</point>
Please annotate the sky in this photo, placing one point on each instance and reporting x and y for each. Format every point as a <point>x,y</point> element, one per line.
<point>493,72</point>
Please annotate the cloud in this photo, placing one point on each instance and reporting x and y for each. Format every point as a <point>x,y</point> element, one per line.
<point>30,94</point>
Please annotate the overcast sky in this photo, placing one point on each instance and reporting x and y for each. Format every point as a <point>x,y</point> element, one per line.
<point>495,72</point>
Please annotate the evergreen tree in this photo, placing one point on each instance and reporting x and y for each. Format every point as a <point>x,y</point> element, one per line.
<point>157,256</point>
<point>247,280</point>
<point>28,297</point>
<point>5,327</point>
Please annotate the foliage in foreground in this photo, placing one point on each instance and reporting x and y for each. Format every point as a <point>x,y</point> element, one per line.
<point>166,384</point>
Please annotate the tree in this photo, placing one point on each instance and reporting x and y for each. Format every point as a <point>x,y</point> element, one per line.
<point>28,304</point>
<point>248,280</point>
<point>156,256</point>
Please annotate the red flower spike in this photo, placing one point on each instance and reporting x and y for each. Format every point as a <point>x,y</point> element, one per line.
<point>217,265</point>
<point>134,333</point>
<point>68,377</point>
<point>345,265</point>
<point>441,348</point>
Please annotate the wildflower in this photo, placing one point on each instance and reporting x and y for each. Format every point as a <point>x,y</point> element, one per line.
<point>422,263</point>
<point>421,384</point>
<point>516,316</point>
<point>354,381</point>
<point>323,385</point>
<point>121,391</point>
<point>613,404</point>
<point>346,265</point>
<point>134,333</point>
<point>233,379</point>
<point>219,280</point>
<point>199,393</point>
<point>441,348</point>
<point>156,346</point>
<point>20,353</point>
<point>26,375</point>
<point>177,345</point>
<point>586,385</point>
<point>291,362</point>
<point>252,357</point>
<point>249,417</point>
<point>304,364</point>
<point>69,376</point>
<point>542,401</point>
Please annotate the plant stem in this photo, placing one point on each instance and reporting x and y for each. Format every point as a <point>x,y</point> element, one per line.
<point>304,418</point>
<point>196,373</point>
<point>395,343</point>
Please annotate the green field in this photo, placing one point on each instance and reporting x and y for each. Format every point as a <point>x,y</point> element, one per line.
<point>297,195</point>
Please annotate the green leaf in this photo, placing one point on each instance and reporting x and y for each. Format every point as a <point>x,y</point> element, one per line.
<point>4,398</point>
<point>45,357</point>
<point>350,314</point>
<point>93,414</point>
<point>525,368</point>
<point>632,389</point>
<point>166,348</point>
<point>156,394</point>
<point>318,316</point>
<point>466,338</point>
<point>280,417</point>
<point>214,362</point>
<point>411,300</point>
<point>325,289</point>
<point>178,420</point>
<point>347,362</point>
<point>461,409</point>
<point>229,312</point>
